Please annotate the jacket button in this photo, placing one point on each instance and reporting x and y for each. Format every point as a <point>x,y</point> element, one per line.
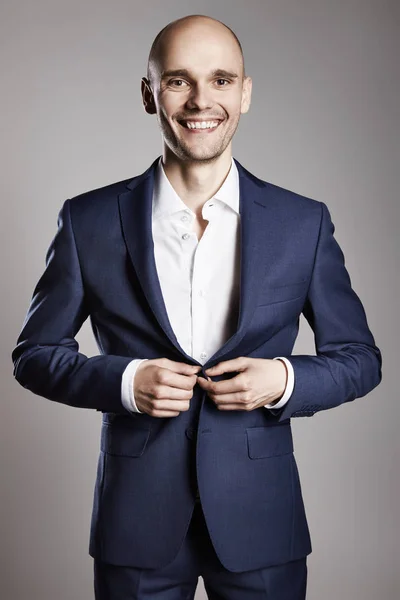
<point>190,433</point>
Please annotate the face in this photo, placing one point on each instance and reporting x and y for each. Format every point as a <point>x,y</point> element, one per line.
<point>198,91</point>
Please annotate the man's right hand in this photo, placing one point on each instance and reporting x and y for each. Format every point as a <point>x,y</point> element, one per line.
<point>163,387</point>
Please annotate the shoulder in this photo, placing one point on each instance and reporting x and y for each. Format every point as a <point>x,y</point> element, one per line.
<point>101,196</point>
<point>104,200</point>
<point>282,196</point>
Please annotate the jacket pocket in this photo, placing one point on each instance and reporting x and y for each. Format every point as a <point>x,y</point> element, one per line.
<point>281,293</point>
<point>265,442</point>
<point>121,439</point>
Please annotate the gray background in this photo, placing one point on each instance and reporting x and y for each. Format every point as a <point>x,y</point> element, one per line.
<point>324,123</point>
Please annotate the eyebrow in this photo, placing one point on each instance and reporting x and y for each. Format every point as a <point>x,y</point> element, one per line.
<point>185,73</point>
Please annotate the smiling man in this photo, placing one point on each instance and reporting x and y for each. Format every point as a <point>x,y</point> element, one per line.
<point>194,275</point>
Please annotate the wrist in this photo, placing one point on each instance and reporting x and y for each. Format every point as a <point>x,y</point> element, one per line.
<point>283,379</point>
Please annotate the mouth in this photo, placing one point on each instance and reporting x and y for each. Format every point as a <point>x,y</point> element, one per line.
<point>200,126</point>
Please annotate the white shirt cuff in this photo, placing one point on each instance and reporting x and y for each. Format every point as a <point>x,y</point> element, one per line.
<point>289,384</point>
<point>127,395</point>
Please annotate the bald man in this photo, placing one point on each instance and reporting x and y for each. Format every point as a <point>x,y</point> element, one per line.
<point>194,275</point>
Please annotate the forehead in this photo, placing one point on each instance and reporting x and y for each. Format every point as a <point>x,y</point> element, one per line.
<point>200,49</point>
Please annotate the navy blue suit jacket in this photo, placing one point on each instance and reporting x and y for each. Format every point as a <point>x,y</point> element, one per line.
<point>101,265</point>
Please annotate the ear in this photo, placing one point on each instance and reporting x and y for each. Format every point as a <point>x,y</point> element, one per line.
<point>147,97</point>
<point>246,94</point>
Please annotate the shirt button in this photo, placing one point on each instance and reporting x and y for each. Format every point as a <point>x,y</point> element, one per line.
<point>203,355</point>
<point>185,218</point>
<point>202,293</point>
<point>185,236</point>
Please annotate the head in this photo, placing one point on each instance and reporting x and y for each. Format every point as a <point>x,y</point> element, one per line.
<point>196,75</point>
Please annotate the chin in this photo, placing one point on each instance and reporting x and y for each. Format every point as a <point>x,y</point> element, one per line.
<point>201,154</point>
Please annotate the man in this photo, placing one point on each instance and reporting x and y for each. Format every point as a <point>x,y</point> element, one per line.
<point>194,275</point>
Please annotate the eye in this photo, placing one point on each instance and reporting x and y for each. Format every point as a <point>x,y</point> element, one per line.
<point>225,81</point>
<point>176,82</point>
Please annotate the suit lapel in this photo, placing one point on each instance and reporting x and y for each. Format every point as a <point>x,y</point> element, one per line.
<point>259,238</point>
<point>136,211</point>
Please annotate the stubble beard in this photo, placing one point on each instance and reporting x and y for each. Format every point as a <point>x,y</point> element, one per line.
<point>200,152</point>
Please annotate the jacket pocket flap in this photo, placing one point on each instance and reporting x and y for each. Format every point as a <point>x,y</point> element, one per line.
<point>274,440</point>
<point>120,439</point>
<point>281,293</point>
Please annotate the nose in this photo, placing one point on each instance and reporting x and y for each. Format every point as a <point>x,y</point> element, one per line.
<point>200,98</point>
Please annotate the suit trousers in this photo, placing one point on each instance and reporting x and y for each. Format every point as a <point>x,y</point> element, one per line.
<point>196,557</point>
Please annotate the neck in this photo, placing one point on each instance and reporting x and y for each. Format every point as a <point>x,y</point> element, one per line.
<point>196,182</point>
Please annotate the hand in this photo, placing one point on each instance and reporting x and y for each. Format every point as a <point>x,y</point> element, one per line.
<point>260,381</point>
<point>163,387</point>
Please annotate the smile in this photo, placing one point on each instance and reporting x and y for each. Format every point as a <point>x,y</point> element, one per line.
<point>200,126</point>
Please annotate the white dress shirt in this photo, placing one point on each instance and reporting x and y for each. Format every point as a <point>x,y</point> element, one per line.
<point>200,280</point>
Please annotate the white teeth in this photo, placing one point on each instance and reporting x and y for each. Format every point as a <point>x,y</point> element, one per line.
<point>201,124</point>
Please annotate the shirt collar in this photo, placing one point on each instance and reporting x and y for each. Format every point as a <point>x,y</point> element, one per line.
<point>166,201</point>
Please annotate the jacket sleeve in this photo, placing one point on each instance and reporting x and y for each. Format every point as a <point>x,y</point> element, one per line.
<point>347,364</point>
<point>46,358</point>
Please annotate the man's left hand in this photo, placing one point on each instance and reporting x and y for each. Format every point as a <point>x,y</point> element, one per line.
<point>259,381</point>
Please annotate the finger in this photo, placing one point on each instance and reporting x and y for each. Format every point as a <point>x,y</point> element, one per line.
<point>180,367</point>
<point>163,414</point>
<point>168,404</point>
<point>235,402</point>
<point>227,366</point>
<point>176,380</point>
<point>170,409</point>
<point>226,386</point>
<point>236,398</point>
<point>165,393</point>
<point>233,407</point>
